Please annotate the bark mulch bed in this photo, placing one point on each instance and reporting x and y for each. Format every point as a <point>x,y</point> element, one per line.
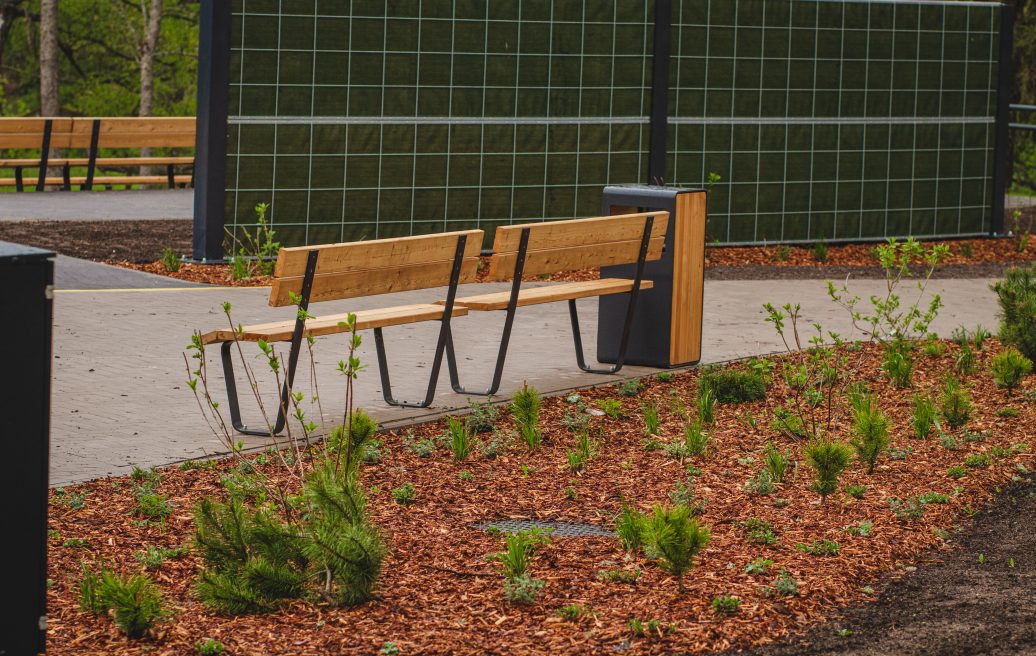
<point>440,595</point>
<point>135,241</point>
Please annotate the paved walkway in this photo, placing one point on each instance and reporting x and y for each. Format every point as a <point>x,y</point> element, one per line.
<point>98,205</point>
<point>119,397</point>
<point>74,273</point>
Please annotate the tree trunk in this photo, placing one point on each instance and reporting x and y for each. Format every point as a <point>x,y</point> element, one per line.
<point>49,102</point>
<point>152,11</point>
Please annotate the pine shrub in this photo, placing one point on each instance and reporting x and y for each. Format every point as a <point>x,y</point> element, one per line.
<point>828,460</point>
<point>672,537</point>
<point>135,601</point>
<point>525,408</point>
<point>1016,296</point>
<point>776,463</point>
<point>1009,367</point>
<point>955,403</point>
<point>923,417</point>
<point>870,434</point>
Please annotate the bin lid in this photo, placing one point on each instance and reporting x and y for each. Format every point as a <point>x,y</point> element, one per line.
<point>10,252</point>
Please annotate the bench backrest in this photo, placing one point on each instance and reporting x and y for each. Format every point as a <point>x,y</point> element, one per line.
<point>128,132</point>
<point>380,266</point>
<point>569,245</point>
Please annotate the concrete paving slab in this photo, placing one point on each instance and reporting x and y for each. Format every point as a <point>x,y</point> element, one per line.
<point>120,398</point>
<point>73,273</point>
<point>98,205</point>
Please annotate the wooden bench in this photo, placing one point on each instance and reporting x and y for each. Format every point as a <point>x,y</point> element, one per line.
<point>556,246</point>
<point>366,268</point>
<point>91,135</point>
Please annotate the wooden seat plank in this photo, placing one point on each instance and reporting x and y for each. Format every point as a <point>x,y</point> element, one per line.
<point>281,331</point>
<point>551,293</point>
<point>102,180</point>
<point>100,161</point>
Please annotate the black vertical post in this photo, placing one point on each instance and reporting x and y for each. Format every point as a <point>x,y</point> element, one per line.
<point>660,92</point>
<point>1004,89</point>
<point>210,154</point>
<point>26,276</point>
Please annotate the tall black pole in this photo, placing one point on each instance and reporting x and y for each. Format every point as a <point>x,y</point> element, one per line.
<point>27,278</point>
<point>1004,89</point>
<point>210,164</point>
<point>660,92</point>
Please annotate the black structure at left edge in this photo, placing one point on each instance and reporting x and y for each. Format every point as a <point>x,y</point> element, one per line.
<point>1001,148</point>
<point>210,167</point>
<point>27,278</point>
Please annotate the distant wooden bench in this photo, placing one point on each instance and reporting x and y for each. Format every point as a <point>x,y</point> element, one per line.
<point>91,135</point>
<point>365,268</point>
<point>555,246</point>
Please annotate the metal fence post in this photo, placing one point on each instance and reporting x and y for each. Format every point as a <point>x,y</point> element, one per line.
<point>659,135</point>
<point>1002,147</point>
<point>27,277</point>
<point>210,153</point>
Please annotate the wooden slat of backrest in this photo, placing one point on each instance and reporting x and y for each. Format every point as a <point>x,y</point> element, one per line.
<point>129,132</point>
<point>377,253</point>
<point>578,232</point>
<point>28,132</point>
<point>567,245</point>
<point>353,284</point>
<point>368,268</point>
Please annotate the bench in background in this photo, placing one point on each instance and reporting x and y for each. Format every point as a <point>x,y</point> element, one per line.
<point>556,246</point>
<point>92,135</point>
<point>365,268</point>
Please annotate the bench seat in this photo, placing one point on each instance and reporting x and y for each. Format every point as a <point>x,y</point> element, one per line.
<point>551,293</point>
<point>281,331</point>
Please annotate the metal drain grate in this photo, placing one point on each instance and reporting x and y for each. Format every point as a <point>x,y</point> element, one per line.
<point>557,529</point>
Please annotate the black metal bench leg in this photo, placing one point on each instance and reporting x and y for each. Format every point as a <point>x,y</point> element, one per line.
<point>386,381</point>
<point>578,340</point>
<point>498,371</point>
<point>232,401</point>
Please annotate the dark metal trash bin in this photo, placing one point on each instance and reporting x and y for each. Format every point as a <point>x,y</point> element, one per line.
<point>667,326</point>
<point>27,278</point>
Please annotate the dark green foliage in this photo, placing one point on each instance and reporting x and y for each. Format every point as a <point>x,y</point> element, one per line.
<point>672,537</point>
<point>695,438</point>
<point>1009,367</point>
<point>611,407</point>
<point>363,429</point>
<point>404,494</point>
<point>522,589</point>
<point>525,408</point>
<point>151,504</point>
<point>459,438</point>
<point>627,526</point>
<point>788,423</point>
<point>135,601</point>
<point>820,548</point>
<point>964,362</point>
<point>954,403</point>
<point>758,566</point>
<point>759,531</point>
<point>252,558</point>
<point>828,460</point>
<point>978,460</point>
<point>153,557</point>
<point>957,472</point>
<point>519,586</point>
<point>726,605</point>
<point>631,387</point>
<point>923,418</point>
<point>170,260</point>
<point>911,508</point>
<point>856,491</point>
<point>898,363</point>
<point>209,647</point>
<point>149,478</point>
<point>870,433</point>
<point>422,448</point>
<point>1016,295</point>
<point>820,250</point>
<point>776,463</point>
<point>652,423</point>
<point>482,418</point>
<point>620,575</point>
<point>735,386</point>
<point>785,584</point>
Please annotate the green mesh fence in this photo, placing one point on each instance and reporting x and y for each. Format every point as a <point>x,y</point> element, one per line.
<point>836,120</point>
<point>821,118</point>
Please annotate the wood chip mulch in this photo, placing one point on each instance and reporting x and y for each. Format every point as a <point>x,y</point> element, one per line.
<point>441,596</point>
<point>963,252</point>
